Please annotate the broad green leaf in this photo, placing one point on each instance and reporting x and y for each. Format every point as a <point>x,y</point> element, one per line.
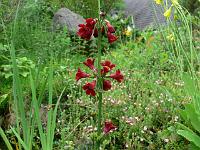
<point>196,102</point>
<point>190,110</point>
<point>189,85</point>
<point>183,114</point>
<point>193,147</point>
<point>191,136</point>
<point>183,127</point>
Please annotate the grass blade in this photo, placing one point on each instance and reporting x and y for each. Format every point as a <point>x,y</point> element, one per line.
<point>5,139</point>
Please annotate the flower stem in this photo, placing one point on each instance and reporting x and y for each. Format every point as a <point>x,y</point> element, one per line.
<point>99,79</point>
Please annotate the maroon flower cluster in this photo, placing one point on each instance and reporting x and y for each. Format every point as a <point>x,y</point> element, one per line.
<point>109,127</point>
<point>86,31</point>
<point>107,66</point>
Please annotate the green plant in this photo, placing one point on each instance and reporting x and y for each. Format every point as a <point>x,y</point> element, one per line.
<point>84,7</point>
<point>191,114</point>
<point>193,6</point>
<point>23,64</point>
<point>28,122</point>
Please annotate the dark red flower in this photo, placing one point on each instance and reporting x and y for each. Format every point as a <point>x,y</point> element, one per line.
<point>107,66</point>
<point>109,127</point>
<point>111,38</point>
<point>90,22</point>
<point>110,28</point>
<point>95,34</point>
<point>117,76</point>
<point>106,85</point>
<point>80,74</point>
<point>90,63</point>
<point>89,88</point>
<point>103,30</point>
<point>84,32</point>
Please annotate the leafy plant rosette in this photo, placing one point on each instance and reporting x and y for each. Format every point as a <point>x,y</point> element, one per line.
<point>191,114</point>
<point>102,73</point>
<point>23,64</point>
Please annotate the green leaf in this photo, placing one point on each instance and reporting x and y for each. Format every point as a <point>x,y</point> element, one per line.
<point>3,98</point>
<point>5,139</point>
<point>183,114</point>
<point>24,74</point>
<point>193,116</point>
<point>7,75</point>
<point>20,140</point>
<point>191,136</point>
<point>189,84</point>
<point>181,126</point>
<point>193,147</point>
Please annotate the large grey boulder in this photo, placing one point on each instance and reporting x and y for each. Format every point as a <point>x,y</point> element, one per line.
<point>66,18</point>
<point>145,13</point>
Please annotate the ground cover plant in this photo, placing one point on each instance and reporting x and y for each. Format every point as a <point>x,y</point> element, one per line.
<point>110,86</point>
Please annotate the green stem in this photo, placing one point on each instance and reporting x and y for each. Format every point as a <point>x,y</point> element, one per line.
<point>99,79</point>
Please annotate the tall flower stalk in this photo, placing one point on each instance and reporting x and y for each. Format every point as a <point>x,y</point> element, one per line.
<point>99,28</point>
<point>99,83</point>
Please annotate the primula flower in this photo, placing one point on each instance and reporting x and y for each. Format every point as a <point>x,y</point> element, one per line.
<point>89,88</point>
<point>106,85</point>
<point>109,127</point>
<point>110,28</point>
<point>117,76</point>
<point>80,74</point>
<point>107,66</point>
<point>111,38</point>
<point>167,13</point>
<point>90,63</point>
<point>158,1</point>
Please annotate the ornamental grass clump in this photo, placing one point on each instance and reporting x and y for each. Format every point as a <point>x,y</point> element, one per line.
<point>103,73</point>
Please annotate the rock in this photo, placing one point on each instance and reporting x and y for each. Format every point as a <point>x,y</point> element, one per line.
<point>145,13</point>
<point>65,17</point>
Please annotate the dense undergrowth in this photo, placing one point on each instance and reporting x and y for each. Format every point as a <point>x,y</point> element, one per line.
<point>145,107</point>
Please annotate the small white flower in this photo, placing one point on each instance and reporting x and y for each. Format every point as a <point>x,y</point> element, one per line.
<point>151,132</point>
<point>169,100</point>
<point>145,128</point>
<point>176,118</point>
<point>126,145</point>
<point>137,118</point>
<point>166,140</point>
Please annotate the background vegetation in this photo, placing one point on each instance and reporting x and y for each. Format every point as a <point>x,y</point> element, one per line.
<point>146,107</point>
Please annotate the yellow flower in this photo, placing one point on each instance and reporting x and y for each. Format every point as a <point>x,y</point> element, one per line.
<point>167,13</point>
<point>170,37</point>
<point>175,17</point>
<point>128,31</point>
<point>175,2</point>
<point>158,2</point>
